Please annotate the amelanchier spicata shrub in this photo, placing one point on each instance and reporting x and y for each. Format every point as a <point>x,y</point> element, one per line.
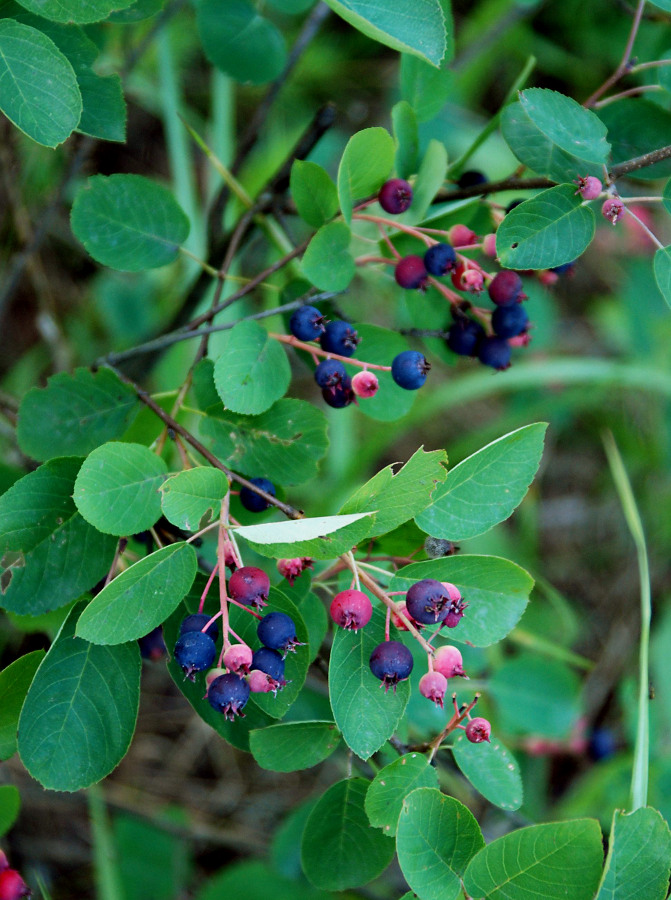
<point>190,525</point>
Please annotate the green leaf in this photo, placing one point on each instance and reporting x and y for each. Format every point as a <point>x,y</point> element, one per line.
<point>496,590</point>
<point>292,7</point>
<point>635,127</point>
<point>327,262</point>
<point>162,874</point>
<point>325,546</point>
<point>287,441</point>
<point>292,746</point>
<point>662,269</point>
<point>38,86</point>
<point>396,498</point>
<point>81,12</point>
<point>491,770</point>
<point>561,860</point>
<point>392,784</point>
<point>141,597</point>
<point>10,803</point>
<point>240,42</point>
<point>379,346</point>
<point>128,222</point>
<point>485,488</point>
<point>75,413</point>
<point>51,555</point>
<point>406,134</point>
<point>256,880</point>
<point>365,713</point>
<point>426,88</point>
<point>137,12</point>
<point>437,837</point>
<point>117,489</point>
<point>637,866</point>
<point>365,165</point>
<point>14,683</point>
<point>340,849</point>
<point>313,192</point>
<point>252,372</point>
<point>663,73</point>
<point>409,26</point>
<point>429,181</point>
<point>79,716</point>
<point>548,230</point>
<point>192,498</point>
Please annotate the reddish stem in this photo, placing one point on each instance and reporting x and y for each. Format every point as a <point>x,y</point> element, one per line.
<point>207,587</point>
<point>310,348</point>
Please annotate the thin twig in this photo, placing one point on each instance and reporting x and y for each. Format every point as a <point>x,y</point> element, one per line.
<point>623,66</point>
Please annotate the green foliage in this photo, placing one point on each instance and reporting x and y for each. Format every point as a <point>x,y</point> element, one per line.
<point>291,746</point>
<point>637,865</point>
<point>491,770</point>
<point>10,802</point>
<point>81,12</point>
<point>252,372</point>
<point>365,165</point>
<point>14,683</point>
<point>192,499</point>
<point>392,784</point>
<point>321,538</point>
<point>327,262</point>
<point>314,193</point>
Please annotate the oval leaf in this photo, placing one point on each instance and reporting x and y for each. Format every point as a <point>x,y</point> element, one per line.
<point>484,489</point>
<point>291,746</point>
<point>141,597</point>
<point>79,716</point>
<point>38,86</point>
<point>548,230</point>
<point>10,803</point>
<point>313,192</point>
<point>117,489</point>
<point>14,683</point>
<point>366,163</point>
<point>128,222</point>
<point>406,135</point>
<point>637,866</point>
<point>662,269</point>
<point>437,837</point>
<point>496,590</point>
<point>564,857</point>
<point>327,262</point>
<point>82,12</point>
<point>191,499</point>
<point>296,531</point>
<point>253,371</point>
<point>337,831</point>
<point>391,785</point>
<point>491,770</point>
<point>429,180</point>
<point>636,126</point>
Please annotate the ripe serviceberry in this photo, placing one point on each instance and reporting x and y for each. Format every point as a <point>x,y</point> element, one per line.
<point>255,502</point>
<point>197,622</point>
<point>330,373</point>
<point>270,662</point>
<point>391,662</point>
<point>410,273</point>
<point>292,568</point>
<point>259,682</point>
<point>589,187</point>
<point>249,586</point>
<point>228,694</point>
<point>440,259</point>
<point>238,658</point>
<point>509,321</point>
<point>152,645</point>
<point>564,269</point>
<point>464,336</point>
<point>339,337</point>
<point>351,609</point>
<point>395,196</point>
<point>365,384</point>
<point>340,395</point>
<point>195,651</point>
<point>436,547</point>
<point>602,744</point>
<point>448,661</point>
<point>12,886</point>
<point>433,686</point>
<point>277,630</point>
<point>471,178</point>
<point>462,236</point>
<point>478,730</point>
<point>427,601</point>
<point>505,288</point>
<point>495,352</point>
<point>307,323</point>
<point>613,210</point>
<point>409,369</point>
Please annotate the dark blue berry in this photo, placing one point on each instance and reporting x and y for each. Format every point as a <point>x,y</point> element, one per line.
<point>428,601</point>
<point>464,336</point>
<point>196,622</point>
<point>277,631</point>
<point>564,269</point>
<point>253,501</point>
<point>391,662</point>
<point>340,395</point>
<point>339,337</point>
<point>494,352</point>
<point>509,321</point>
<point>152,645</point>
<point>505,287</point>
<point>410,273</point>
<point>602,744</point>
<point>195,651</point>
<point>228,694</point>
<point>409,369</point>
<point>513,204</point>
<point>329,373</point>
<point>307,323</point>
<point>440,259</point>
<point>268,661</point>
<point>470,178</point>
<point>395,196</point>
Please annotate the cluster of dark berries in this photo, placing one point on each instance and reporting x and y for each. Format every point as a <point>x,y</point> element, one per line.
<point>12,885</point>
<point>412,272</point>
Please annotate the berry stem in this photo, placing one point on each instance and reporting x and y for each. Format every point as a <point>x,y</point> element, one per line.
<point>398,226</point>
<point>387,625</point>
<point>460,713</point>
<point>203,531</point>
<point>221,562</point>
<point>355,570</point>
<point>310,348</point>
<point>630,92</point>
<point>207,588</point>
<point>645,228</point>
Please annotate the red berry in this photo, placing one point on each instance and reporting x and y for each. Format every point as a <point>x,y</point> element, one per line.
<point>478,730</point>
<point>397,621</point>
<point>292,568</point>
<point>249,586</point>
<point>12,886</point>
<point>410,273</point>
<point>461,236</point>
<point>351,609</point>
<point>433,686</point>
<point>365,384</point>
<point>4,862</point>
<point>505,287</point>
<point>395,196</point>
<point>473,281</point>
<point>613,210</point>
<point>489,245</point>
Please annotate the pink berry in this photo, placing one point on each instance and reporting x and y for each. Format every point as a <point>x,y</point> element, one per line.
<point>448,661</point>
<point>461,236</point>
<point>259,682</point>
<point>589,187</point>
<point>395,196</point>
<point>613,210</point>
<point>238,658</point>
<point>410,273</point>
<point>478,730</point>
<point>4,862</point>
<point>365,384</point>
<point>292,568</point>
<point>473,281</point>
<point>489,245</point>
<point>12,886</point>
<point>398,623</point>
<point>212,674</point>
<point>453,591</point>
<point>249,586</point>
<point>548,278</point>
<point>351,609</point>
<point>433,686</point>
<point>230,556</point>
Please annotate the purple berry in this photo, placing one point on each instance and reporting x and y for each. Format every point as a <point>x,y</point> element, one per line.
<point>277,631</point>
<point>589,187</point>
<point>410,273</point>
<point>478,730</point>
<point>228,694</point>
<point>253,501</point>
<point>195,651</point>
<point>494,352</point>
<point>440,259</point>
<point>409,369</point>
<point>271,663</point>
<point>340,395</point>
<point>249,586</point>
<point>339,337</point>
<point>307,323</point>
<point>330,373</point>
<point>428,601</point>
<point>391,662</point>
<point>197,622</point>
<point>351,609</point>
<point>395,196</point>
<point>505,288</point>
<point>509,321</point>
<point>464,336</point>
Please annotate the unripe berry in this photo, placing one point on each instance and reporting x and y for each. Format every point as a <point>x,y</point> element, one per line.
<point>448,661</point>
<point>433,686</point>
<point>398,622</point>
<point>255,502</point>
<point>461,236</point>
<point>238,658</point>
<point>489,245</point>
<point>249,586</point>
<point>292,568</point>
<point>365,384</point>
<point>409,369</point>
<point>478,730</point>
<point>440,259</point>
<point>351,609</point>
<point>211,674</point>
<point>613,210</point>
<point>277,631</point>
<point>195,651</point>
<point>391,662</point>
<point>259,682</point>
<point>12,886</point>
<point>473,281</point>
<point>589,187</point>
<point>495,352</point>
<point>395,196</point>
<point>340,338</point>
<point>453,591</point>
<point>228,694</point>
<point>410,273</point>
<point>427,601</point>
<point>505,288</point>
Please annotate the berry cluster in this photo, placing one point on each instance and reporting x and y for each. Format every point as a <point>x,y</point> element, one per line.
<point>12,885</point>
